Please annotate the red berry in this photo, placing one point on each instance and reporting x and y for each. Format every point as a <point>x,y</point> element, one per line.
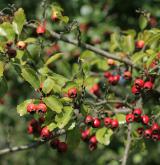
<point>85,134</point>
<point>135,90</point>
<point>111,62</point>
<point>148,85</point>
<point>114,123</point>
<point>148,133</point>
<point>114,79</point>
<point>107,121</point>
<point>107,74</point>
<point>54,143</point>
<point>62,147</point>
<point>72,92</point>
<point>31,108</point>
<point>155,128</point>
<point>30,129</point>
<point>139,83</point>
<point>145,119</point>
<point>137,112</point>
<point>155,137</point>
<point>45,133</point>
<point>88,119</point>
<point>93,140</point>
<point>140,44</point>
<point>41,108</point>
<point>95,88</point>
<point>127,75</point>
<point>129,118</point>
<point>41,29</point>
<point>96,123</point>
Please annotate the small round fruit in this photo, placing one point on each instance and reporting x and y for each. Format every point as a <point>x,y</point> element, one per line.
<point>88,120</point>
<point>31,108</point>
<point>114,123</point>
<point>54,143</point>
<point>21,45</point>
<point>41,108</point>
<point>145,119</point>
<point>62,147</point>
<point>30,129</point>
<point>93,140</point>
<point>155,137</point>
<point>54,16</point>
<point>148,133</point>
<point>148,85</point>
<point>72,92</point>
<point>107,121</point>
<point>137,112</point>
<point>127,75</point>
<point>107,74</point>
<point>139,83</point>
<point>41,29</point>
<point>129,118</point>
<point>85,134</point>
<point>11,53</point>
<point>140,44</point>
<point>45,133</point>
<point>155,128</point>
<point>135,90</point>
<point>111,62</point>
<point>96,123</point>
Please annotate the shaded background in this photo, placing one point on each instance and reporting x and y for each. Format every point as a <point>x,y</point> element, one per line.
<point>104,15</point>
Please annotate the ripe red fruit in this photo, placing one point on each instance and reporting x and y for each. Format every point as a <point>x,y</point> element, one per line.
<point>135,90</point>
<point>114,123</point>
<point>96,87</point>
<point>137,112</point>
<point>111,62</point>
<point>139,83</point>
<point>30,129</point>
<point>41,29</point>
<point>45,133</point>
<point>62,147</point>
<point>72,92</point>
<point>88,119</point>
<point>127,75</point>
<point>93,140</point>
<point>85,134</point>
<point>140,44</point>
<point>148,85</point>
<point>114,79</point>
<point>148,133</point>
<point>107,74</point>
<point>129,118</point>
<point>41,108</point>
<point>96,123</point>
<point>54,16</point>
<point>155,137</point>
<point>107,121</point>
<point>31,108</point>
<point>54,143</point>
<point>145,119</point>
<point>155,128</point>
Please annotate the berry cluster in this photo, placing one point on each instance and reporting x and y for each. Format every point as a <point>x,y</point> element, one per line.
<point>33,108</point>
<point>88,135</point>
<point>151,130</point>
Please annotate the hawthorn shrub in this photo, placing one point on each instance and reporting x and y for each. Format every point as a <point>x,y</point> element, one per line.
<point>71,91</point>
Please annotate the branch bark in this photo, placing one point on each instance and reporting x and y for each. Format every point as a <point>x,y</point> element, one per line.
<point>127,147</point>
<point>89,47</point>
<point>28,146</point>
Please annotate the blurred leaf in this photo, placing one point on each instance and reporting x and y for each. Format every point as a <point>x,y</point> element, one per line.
<point>73,138</point>
<point>138,56</point>
<point>53,103</point>
<point>48,85</point>
<point>64,117</point>
<point>3,86</point>
<point>19,21</point>
<point>52,126</point>
<point>22,108</point>
<point>30,40</point>
<point>121,118</point>
<point>53,58</point>
<point>30,76</point>
<point>103,135</point>
<point>68,85</point>
<point>65,19</point>
<point>130,43</point>
<point>143,21</point>
<point>150,59</point>
<point>1,68</point>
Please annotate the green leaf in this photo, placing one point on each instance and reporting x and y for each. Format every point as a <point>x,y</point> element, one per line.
<point>7,31</point>
<point>121,118</point>
<point>68,85</point>
<point>52,126</point>
<point>103,135</point>
<point>142,22</point>
<point>138,56</point>
<point>53,103</point>
<point>30,76</point>
<point>19,21</point>
<point>150,59</point>
<point>65,19</point>
<point>59,79</point>
<point>1,68</point>
<point>63,118</point>
<point>3,86</point>
<point>30,40</point>
<point>73,138</point>
<point>48,85</point>
<point>22,108</point>
<point>130,43</point>
<point>53,58</point>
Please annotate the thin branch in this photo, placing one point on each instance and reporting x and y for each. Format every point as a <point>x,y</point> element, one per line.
<point>28,146</point>
<point>89,47</point>
<point>127,147</point>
